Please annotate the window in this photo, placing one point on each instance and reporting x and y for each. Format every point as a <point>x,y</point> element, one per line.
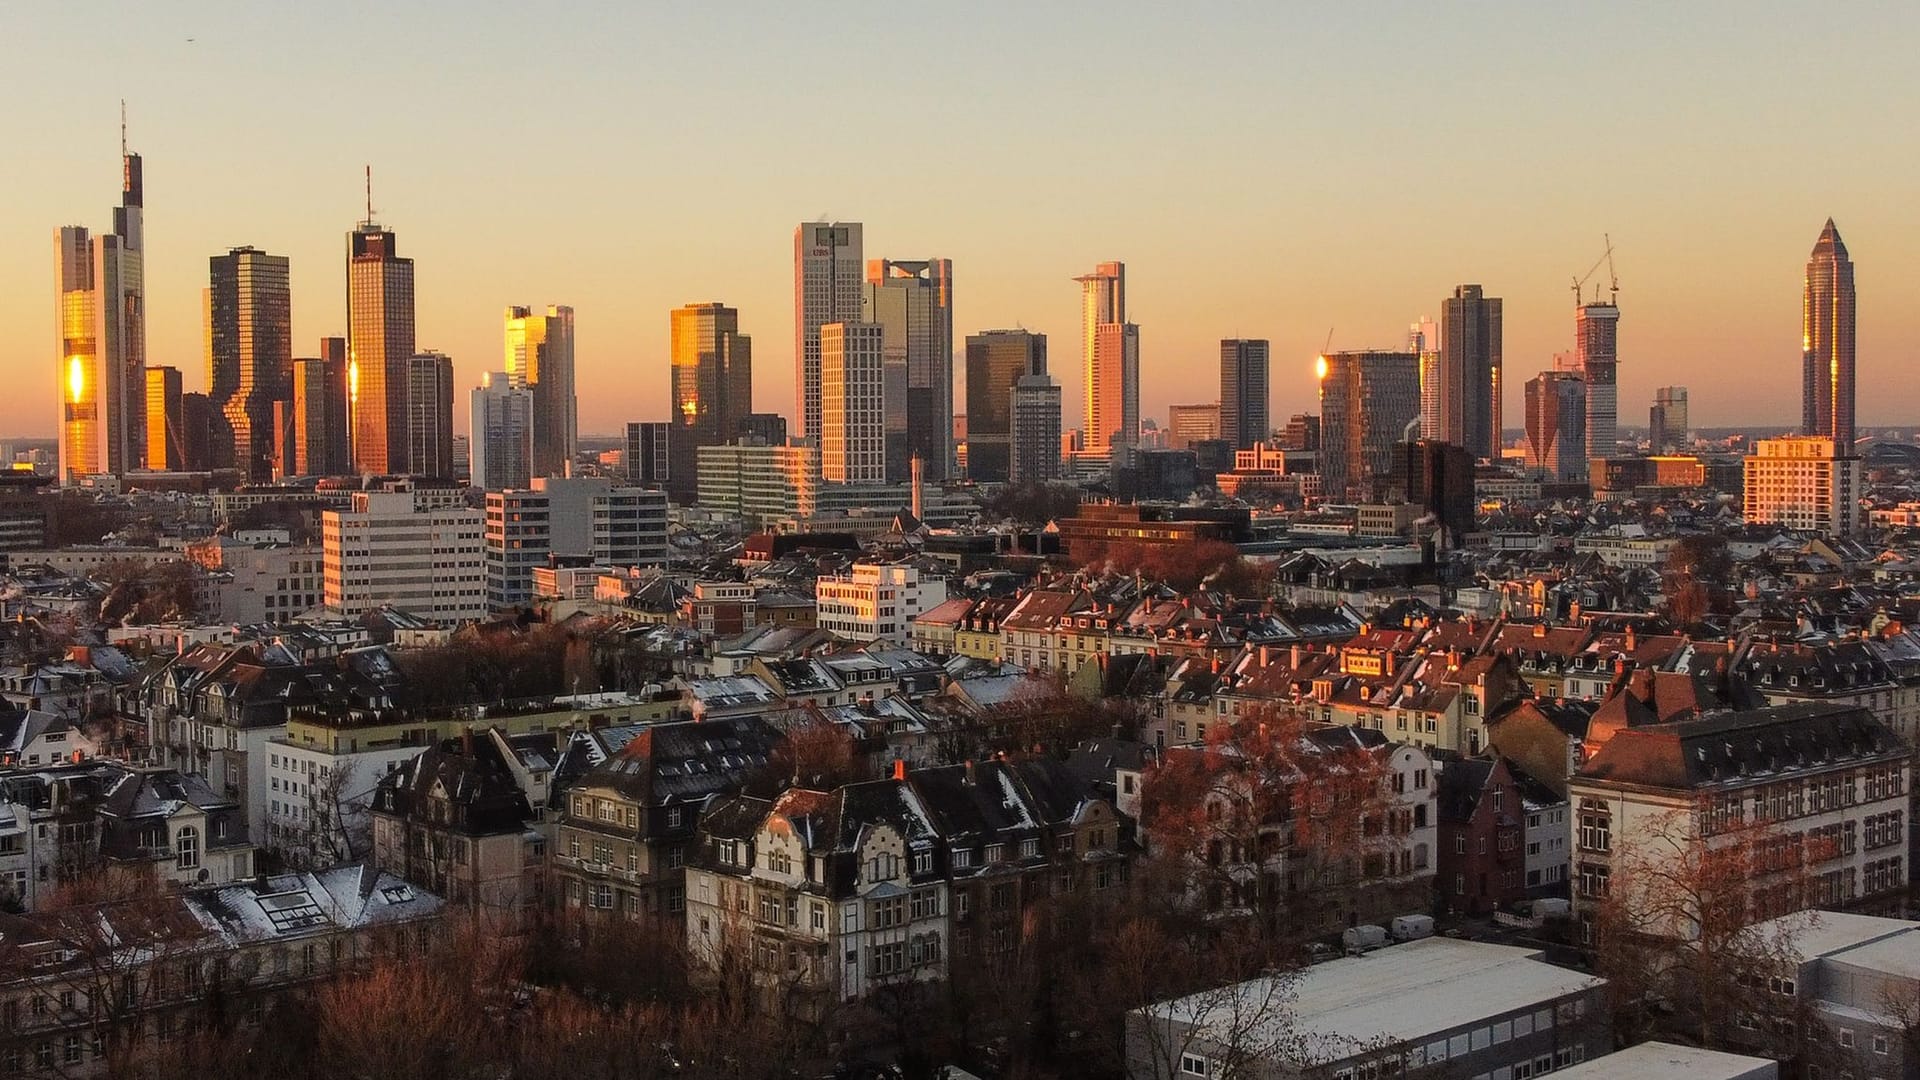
<point>1596,826</point>
<point>922,863</point>
<point>1846,1038</point>
<point>1880,1044</point>
<point>674,817</point>
<point>1194,1065</point>
<point>187,848</point>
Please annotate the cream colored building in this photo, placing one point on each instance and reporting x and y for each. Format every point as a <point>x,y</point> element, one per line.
<point>1801,484</point>
<point>386,550</point>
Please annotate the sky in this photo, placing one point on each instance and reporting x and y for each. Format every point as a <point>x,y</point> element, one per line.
<point>1303,172</point>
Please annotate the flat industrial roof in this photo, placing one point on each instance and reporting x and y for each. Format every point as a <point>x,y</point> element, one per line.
<point>1658,1060</point>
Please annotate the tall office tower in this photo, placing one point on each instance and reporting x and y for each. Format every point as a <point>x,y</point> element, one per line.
<point>379,341</point>
<point>249,354</point>
<point>1423,337</point>
<point>501,439</point>
<point>1034,440</point>
<point>165,450</point>
<point>1110,347</point>
<point>853,446</point>
<point>1243,392</point>
<point>649,448</point>
<point>540,359</point>
<point>196,423</point>
<point>1189,424</point>
<point>428,415</point>
<point>1367,400</point>
<point>102,318</point>
<point>996,362</point>
<point>913,304</point>
<point>1557,426</point>
<point>320,437</point>
<point>1596,356</point>
<point>1667,422</point>
<point>1469,372</point>
<point>712,388</point>
<point>827,269</point>
<point>1826,341</point>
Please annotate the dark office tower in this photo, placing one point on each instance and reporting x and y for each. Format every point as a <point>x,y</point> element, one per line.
<point>379,341</point>
<point>913,304</point>
<point>1303,432</point>
<point>1440,482</point>
<point>320,412</point>
<point>826,289</point>
<point>1367,402</point>
<point>1557,426</point>
<point>428,415</point>
<point>1243,392</point>
<point>996,362</point>
<point>197,429</point>
<point>1667,423</point>
<point>165,453</point>
<point>770,428</point>
<point>1470,386</point>
<point>712,387</point>
<point>1034,439</point>
<point>249,354</point>
<point>1826,336</point>
<point>649,448</point>
<point>540,361</point>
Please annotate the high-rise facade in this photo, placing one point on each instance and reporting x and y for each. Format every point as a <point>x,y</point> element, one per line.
<point>912,303</point>
<point>1189,424</point>
<point>501,436</point>
<point>1367,401</point>
<point>996,362</point>
<point>1596,357</point>
<point>1423,337</point>
<point>321,445</point>
<point>540,360</point>
<point>589,517</point>
<point>827,269</point>
<point>1468,397</point>
<point>428,415</point>
<point>101,316</point>
<point>389,549</point>
<point>380,339</point>
<point>852,403</point>
<point>1803,483</point>
<point>1826,336</point>
<point>249,313</point>
<point>166,450</point>
<point>1034,439</point>
<point>1110,347</point>
<point>1557,426</point>
<point>1668,426</point>
<point>712,388</point>
<point>1243,392</point>
<point>649,451</point>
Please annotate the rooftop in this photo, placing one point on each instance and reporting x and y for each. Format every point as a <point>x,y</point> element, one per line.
<point>1660,1061</point>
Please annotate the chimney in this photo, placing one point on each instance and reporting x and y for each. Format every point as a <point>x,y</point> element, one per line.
<point>1265,655</point>
<point>970,778</point>
<point>1293,657</point>
<point>900,765</point>
<point>466,741</point>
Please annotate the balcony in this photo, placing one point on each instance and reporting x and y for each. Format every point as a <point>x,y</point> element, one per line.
<point>606,870</point>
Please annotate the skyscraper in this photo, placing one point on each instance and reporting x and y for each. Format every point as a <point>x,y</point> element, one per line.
<point>166,452</point>
<point>712,388</point>
<point>540,360</point>
<point>827,268</point>
<point>320,436</point>
<point>852,411</point>
<point>1034,440</point>
<point>1110,347</point>
<point>1468,397</point>
<point>1667,421</point>
<point>1243,392</point>
<point>102,319</point>
<point>1367,401</point>
<point>1826,343</point>
<point>1423,337</point>
<point>649,445</point>
<point>912,302</point>
<point>501,438</point>
<point>428,415</point>
<point>1596,336</point>
<point>996,362</point>
<point>1557,426</point>
<point>249,354</point>
<point>379,341</point>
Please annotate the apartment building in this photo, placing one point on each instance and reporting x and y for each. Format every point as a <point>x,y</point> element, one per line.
<point>876,601</point>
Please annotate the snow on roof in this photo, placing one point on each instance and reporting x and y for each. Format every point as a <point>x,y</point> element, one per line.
<point>1817,934</point>
<point>1660,1061</point>
<point>1011,800</point>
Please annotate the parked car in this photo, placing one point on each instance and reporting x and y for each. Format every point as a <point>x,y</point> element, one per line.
<point>1412,927</point>
<point>1359,939</point>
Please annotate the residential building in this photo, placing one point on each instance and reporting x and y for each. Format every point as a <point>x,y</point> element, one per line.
<point>455,820</point>
<point>1189,424</point>
<point>1826,335</point>
<point>852,403</point>
<point>912,303</point>
<point>712,389</point>
<point>539,359</point>
<point>996,362</point>
<point>164,425</point>
<point>1557,426</point>
<point>649,451</point>
<point>1667,427</point>
<point>1482,837</point>
<point>1110,349</point>
<point>1596,356</point>
<point>1470,371</point>
<point>1803,483</point>
<point>1243,392</point>
<point>579,518</point>
<point>389,550</point>
<point>502,433</point>
<point>827,270</point>
<point>1367,401</point>
<point>320,417</point>
<point>102,318</point>
<point>877,601</point>
<point>249,354</point>
<point>266,582</point>
<point>380,338</point>
<point>1034,431</point>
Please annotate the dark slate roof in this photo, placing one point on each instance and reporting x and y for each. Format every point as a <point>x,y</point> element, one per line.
<point>481,790</point>
<point>1459,787</point>
<point>1742,747</point>
<point>687,761</point>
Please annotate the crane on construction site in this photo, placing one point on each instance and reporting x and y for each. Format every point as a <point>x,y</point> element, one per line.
<point>1613,288</point>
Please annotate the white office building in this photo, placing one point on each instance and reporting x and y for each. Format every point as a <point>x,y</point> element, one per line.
<point>876,601</point>
<point>853,439</point>
<point>1801,483</point>
<point>386,550</point>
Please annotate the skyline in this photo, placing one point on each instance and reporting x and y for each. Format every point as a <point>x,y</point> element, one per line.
<point>1245,203</point>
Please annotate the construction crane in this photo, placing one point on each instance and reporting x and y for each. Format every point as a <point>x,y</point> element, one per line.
<point>1606,258</point>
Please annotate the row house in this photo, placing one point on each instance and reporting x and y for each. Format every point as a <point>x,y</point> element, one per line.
<point>457,820</point>
<point>1482,837</point>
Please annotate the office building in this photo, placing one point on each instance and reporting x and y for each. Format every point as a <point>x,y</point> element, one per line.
<point>1803,484</point>
<point>102,316</point>
<point>1596,357</point>
<point>501,439</point>
<point>249,354</point>
<point>380,338</point>
<point>429,415</point>
<point>1189,424</point>
<point>876,601</point>
<point>1302,432</point>
<point>388,550</point>
<point>1243,392</point>
<point>1667,425</point>
<point>1034,439</point>
<point>1423,337</point>
<point>196,424</point>
<point>769,428</point>
<point>852,415</point>
<point>1557,426</point>
<point>587,519</point>
<point>1367,402</point>
<point>760,483</point>
<point>827,269</point>
<point>1468,397</point>
<point>1826,335</point>
<point>996,362</point>
<point>1110,349</point>
<point>912,303</point>
<point>321,444</point>
<point>712,387</point>
<point>166,452</point>
<point>648,453</point>
<point>540,360</point>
